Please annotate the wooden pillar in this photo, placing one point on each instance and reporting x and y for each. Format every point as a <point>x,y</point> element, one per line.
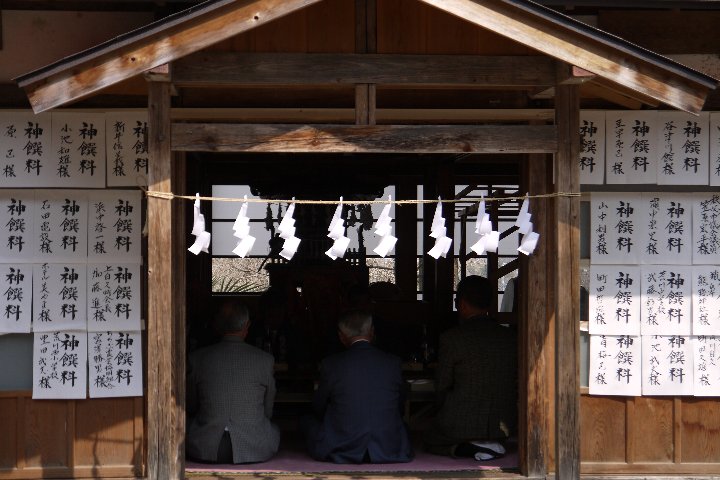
<point>445,267</point>
<point>166,355</point>
<point>567,284</point>
<point>365,42</point>
<point>535,340</point>
<point>430,191</point>
<point>406,228</point>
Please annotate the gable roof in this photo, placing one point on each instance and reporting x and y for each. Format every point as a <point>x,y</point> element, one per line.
<point>213,21</point>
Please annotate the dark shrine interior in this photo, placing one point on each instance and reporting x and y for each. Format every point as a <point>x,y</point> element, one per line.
<point>294,312</point>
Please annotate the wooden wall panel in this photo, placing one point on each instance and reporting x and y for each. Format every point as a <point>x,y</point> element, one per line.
<point>8,413</point>
<point>326,27</point>
<point>287,34</point>
<point>46,433</point>
<point>331,27</point>
<point>428,30</point>
<point>700,430</point>
<point>490,43</point>
<point>105,432</point>
<point>447,34</point>
<point>659,435</point>
<point>602,426</point>
<point>651,429</point>
<point>95,438</point>
<point>682,31</point>
<point>410,36</point>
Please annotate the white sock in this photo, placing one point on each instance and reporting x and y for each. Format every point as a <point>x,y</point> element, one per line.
<point>482,456</point>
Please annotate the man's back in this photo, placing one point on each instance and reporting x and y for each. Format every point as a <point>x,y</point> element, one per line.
<point>359,400</point>
<point>231,386</point>
<point>477,374</point>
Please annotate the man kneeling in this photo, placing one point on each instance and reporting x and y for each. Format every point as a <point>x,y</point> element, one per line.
<point>359,401</point>
<point>230,396</point>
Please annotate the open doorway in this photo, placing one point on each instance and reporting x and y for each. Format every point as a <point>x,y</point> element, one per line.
<point>294,305</point>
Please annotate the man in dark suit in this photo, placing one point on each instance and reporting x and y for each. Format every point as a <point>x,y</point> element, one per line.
<point>359,400</point>
<point>230,395</point>
<point>475,380</point>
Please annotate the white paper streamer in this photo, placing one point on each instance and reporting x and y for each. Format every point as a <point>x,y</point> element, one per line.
<point>241,227</point>
<point>383,228</point>
<point>438,232</point>
<point>202,238</point>
<point>336,231</point>
<point>525,227</point>
<point>489,239</point>
<point>286,230</point>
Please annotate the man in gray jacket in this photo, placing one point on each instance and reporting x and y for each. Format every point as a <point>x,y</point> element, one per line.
<point>476,379</point>
<point>230,395</point>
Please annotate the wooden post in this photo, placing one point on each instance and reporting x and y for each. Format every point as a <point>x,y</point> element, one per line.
<point>166,371</point>
<point>534,331</point>
<point>406,228</point>
<point>445,267</point>
<point>567,283</point>
<point>365,42</point>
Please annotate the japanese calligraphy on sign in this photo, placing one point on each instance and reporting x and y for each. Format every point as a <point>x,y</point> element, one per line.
<point>60,226</point>
<point>630,146</point>
<point>127,149</point>
<point>706,300</point>
<point>25,150</point>
<point>706,229</point>
<point>115,226</point>
<point>59,297</point>
<point>666,300</point>
<point>615,362</point>
<point>714,138</point>
<point>683,148</point>
<point>667,365</point>
<point>113,297</point>
<point>78,150</point>
<point>666,229</point>
<point>16,299</point>
<point>115,361</point>
<point>614,300</point>
<point>59,364</point>
<point>17,224</point>
<point>615,228</point>
<point>707,366</point>
<point>592,147</point>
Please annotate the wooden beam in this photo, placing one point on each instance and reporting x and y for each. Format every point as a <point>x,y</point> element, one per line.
<point>567,285</point>
<point>161,73</point>
<point>163,42</point>
<point>347,115</point>
<point>614,88</point>
<point>576,44</point>
<point>210,137</point>
<point>165,457</point>
<point>573,75</point>
<point>593,90</point>
<point>229,69</point>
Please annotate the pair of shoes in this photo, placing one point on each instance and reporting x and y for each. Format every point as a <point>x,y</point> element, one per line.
<point>488,450</point>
